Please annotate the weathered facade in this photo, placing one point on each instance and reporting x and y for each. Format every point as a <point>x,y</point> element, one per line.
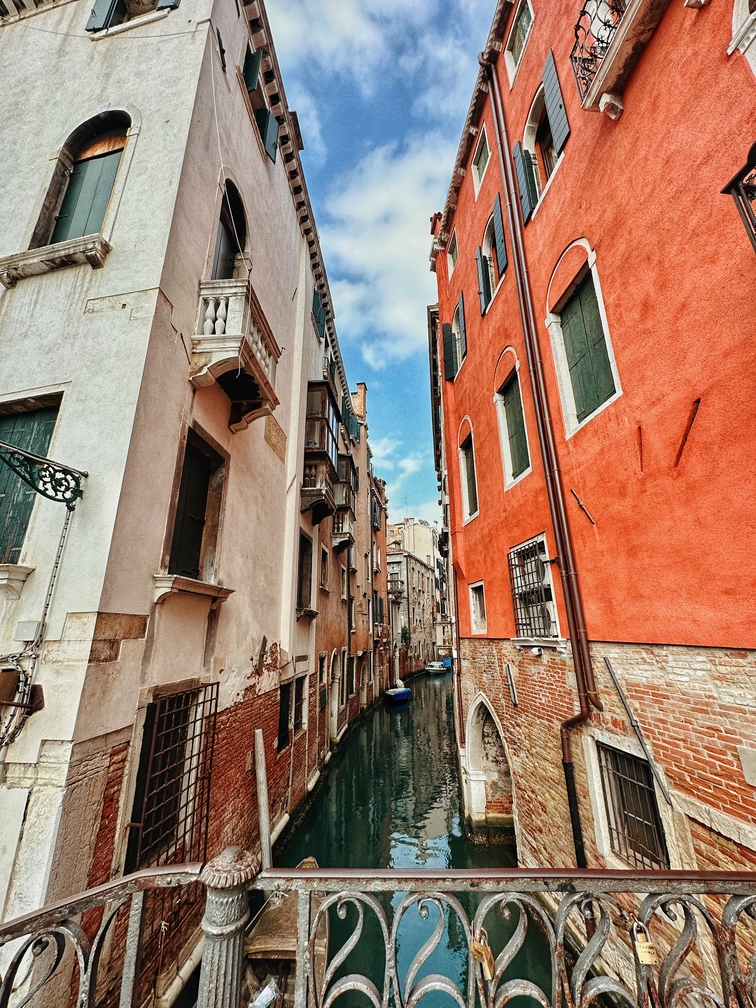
<point>591,456</point>
<point>165,328</point>
<point>412,590</point>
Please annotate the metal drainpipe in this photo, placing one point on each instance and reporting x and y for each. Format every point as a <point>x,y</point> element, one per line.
<point>586,684</point>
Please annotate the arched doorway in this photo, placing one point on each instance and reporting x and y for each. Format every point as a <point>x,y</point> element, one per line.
<point>489,794</point>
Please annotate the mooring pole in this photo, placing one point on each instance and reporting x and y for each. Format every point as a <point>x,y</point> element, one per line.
<point>261,775</point>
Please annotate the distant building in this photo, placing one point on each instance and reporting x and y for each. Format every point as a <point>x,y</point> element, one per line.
<point>592,363</point>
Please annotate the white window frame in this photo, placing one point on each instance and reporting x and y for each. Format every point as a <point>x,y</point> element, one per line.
<point>676,846</point>
<point>457,342</point>
<point>477,175</point>
<point>488,249</point>
<point>556,639</point>
<point>512,65</point>
<point>324,552</point>
<point>476,625</point>
<point>450,260</point>
<point>501,416</point>
<point>468,514</point>
<point>344,587</point>
<point>553,324</point>
<point>743,32</point>
<point>529,146</point>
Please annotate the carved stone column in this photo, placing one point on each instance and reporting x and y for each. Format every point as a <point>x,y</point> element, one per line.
<point>226,912</point>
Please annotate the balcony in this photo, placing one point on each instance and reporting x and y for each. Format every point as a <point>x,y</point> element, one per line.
<point>344,495</point>
<point>317,490</point>
<point>610,36</point>
<point>396,589</point>
<point>669,939</point>
<point>381,632</point>
<point>234,346</point>
<point>343,529</point>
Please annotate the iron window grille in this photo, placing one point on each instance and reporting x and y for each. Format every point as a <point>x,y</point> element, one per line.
<point>742,188</point>
<point>635,828</point>
<point>532,596</point>
<point>596,25</point>
<point>172,797</point>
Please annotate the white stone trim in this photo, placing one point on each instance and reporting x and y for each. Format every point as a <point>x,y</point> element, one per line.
<point>12,578</point>
<point>734,829</point>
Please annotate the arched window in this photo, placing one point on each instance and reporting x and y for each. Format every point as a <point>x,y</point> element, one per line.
<point>491,257</point>
<point>83,181</point>
<point>744,30</point>
<point>228,261</point>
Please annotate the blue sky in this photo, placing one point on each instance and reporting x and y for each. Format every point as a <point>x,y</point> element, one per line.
<point>381,88</point>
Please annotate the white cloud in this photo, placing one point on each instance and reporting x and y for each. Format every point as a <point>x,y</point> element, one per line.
<point>377,240</point>
<point>309,121</point>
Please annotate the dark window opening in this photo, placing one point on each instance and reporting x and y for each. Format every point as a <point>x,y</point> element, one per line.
<point>32,431</point>
<point>228,260</point>
<point>284,706</point>
<point>468,475</point>
<point>635,828</point>
<point>545,151</point>
<point>304,573</point>
<point>197,512</point>
<point>299,695</point>
<point>517,443</point>
<point>172,796</point>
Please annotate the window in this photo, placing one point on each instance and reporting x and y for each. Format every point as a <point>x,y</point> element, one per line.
<point>467,470</point>
<point>532,593</point>
<point>231,241</point>
<point>323,568</point>
<point>477,608</point>
<point>518,36</point>
<point>545,135</point>
<point>480,159</point>
<point>195,528</point>
<point>351,616</point>
<point>304,572</point>
<point>109,13</point>
<point>352,685</point>
<point>322,428</point>
<point>512,428</point>
<point>30,430</point>
<point>284,710</point>
<point>172,793</point>
<point>319,316</point>
<point>300,714</point>
<point>635,829</point>
<point>266,122</point>
<point>585,347</point>
<point>452,253</point>
<point>491,257</point>
<point>343,679</point>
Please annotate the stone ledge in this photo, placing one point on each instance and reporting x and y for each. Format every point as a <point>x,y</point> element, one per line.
<point>172,584</point>
<point>90,249</point>
<point>12,579</point>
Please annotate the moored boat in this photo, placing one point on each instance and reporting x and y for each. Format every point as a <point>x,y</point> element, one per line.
<point>398,694</point>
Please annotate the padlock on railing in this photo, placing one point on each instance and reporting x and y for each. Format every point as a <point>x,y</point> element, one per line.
<point>481,952</point>
<point>645,950</point>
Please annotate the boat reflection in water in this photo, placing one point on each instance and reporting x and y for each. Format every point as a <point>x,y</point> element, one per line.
<point>391,800</point>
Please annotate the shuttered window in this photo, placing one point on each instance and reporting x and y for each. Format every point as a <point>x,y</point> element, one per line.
<point>319,312</point>
<point>462,327</point>
<point>526,183</point>
<point>585,346</point>
<point>190,531</point>
<point>304,574</point>
<point>467,459</point>
<point>31,431</point>
<point>268,126</point>
<point>500,245</point>
<point>517,443</point>
<point>484,280</point>
<point>552,96</point>
<point>252,68</point>
<point>450,352</point>
<point>87,196</point>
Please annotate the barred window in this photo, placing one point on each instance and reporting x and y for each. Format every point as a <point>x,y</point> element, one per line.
<point>532,595</point>
<point>172,796</point>
<point>635,828</point>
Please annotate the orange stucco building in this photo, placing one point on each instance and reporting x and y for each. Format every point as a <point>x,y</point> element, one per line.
<point>594,423</point>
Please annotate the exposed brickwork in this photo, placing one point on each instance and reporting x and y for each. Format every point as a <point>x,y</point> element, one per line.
<point>101,869</point>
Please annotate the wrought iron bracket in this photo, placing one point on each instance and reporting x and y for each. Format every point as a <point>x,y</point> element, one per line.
<point>742,188</point>
<point>50,479</point>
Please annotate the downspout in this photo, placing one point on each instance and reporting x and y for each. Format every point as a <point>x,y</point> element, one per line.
<point>586,684</point>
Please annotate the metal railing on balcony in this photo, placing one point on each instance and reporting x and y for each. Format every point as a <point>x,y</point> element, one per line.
<point>595,28</point>
<point>652,940</point>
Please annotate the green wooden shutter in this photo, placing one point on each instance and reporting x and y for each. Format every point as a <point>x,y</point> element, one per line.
<point>252,68</point>
<point>318,310</point>
<point>304,581</point>
<point>167,4</point>
<point>518,442</point>
<point>450,352</point>
<point>499,244</point>
<point>101,14</point>
<point>555,110</point>
<point>526,183</point>
<point>31,431</point>
<point>484,280</point>
<point>87,196</point>
<point>462,327</point>
<point>186,548</point>
<point>585,347</point>
<point>268,126</point>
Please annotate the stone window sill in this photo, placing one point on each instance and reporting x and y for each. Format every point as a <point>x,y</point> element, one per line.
<point>560,643</point>
<point>147,18</point>
<point>172,584</point>
<point>90,249</point>
<point>307,613</point>
<point>12,578</point>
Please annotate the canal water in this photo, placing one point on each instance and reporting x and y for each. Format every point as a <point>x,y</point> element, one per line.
<point>391,800</point>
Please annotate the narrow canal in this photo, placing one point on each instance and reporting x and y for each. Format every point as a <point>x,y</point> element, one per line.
<point>391,800</point>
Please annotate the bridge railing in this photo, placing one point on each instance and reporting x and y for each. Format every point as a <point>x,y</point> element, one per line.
<point>660,939</point>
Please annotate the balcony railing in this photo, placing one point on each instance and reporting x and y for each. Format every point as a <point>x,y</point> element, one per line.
<point>652,940</point>
<point>317,490</point>
<point>594,31</point>
<point>343,528</point>
<point>232,334</point>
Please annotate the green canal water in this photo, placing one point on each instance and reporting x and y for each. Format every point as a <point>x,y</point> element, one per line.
<point>390,799</point>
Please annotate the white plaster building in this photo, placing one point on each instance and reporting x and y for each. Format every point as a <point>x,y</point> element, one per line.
<point>164,305</point>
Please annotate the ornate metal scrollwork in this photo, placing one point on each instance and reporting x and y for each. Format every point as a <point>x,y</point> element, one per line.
<point>50,479</point>
<point>594,31</point>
